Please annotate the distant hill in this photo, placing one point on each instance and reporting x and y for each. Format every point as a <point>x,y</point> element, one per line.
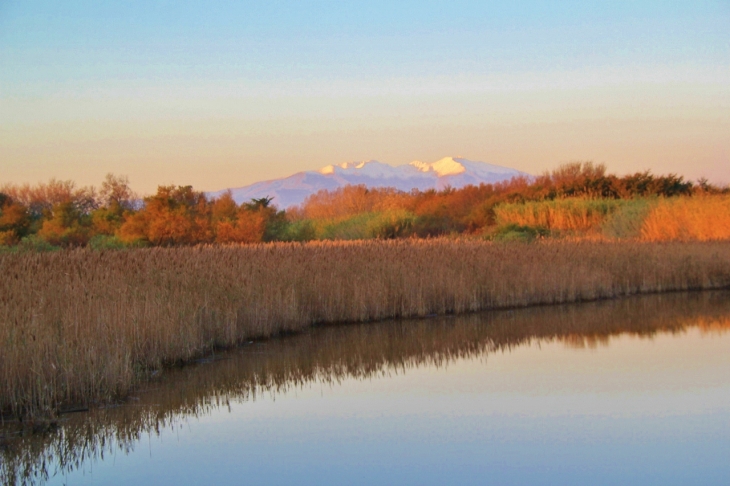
<point>449,171</point>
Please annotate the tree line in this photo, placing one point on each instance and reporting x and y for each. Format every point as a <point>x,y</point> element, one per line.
<point>60,214</point>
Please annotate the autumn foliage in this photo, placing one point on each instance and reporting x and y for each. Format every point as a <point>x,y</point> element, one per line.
<point>575,200</point>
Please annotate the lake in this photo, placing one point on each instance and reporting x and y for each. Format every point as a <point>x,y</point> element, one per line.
<point>628,391</point>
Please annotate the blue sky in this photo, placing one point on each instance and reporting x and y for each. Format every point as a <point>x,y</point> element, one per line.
<point>227,93</point>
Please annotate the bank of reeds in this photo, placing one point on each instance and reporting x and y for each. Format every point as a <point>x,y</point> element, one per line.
<point>330,354</point>
<point>574,214</point>
<point>698,218</point>
<point>81,326</point>
<point>580,217</point>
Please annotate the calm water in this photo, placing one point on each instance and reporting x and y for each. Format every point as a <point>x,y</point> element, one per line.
<point>631,391</point>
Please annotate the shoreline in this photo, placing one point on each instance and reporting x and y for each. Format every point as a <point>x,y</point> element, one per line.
<point>100,322</point>
<point>331,353</point>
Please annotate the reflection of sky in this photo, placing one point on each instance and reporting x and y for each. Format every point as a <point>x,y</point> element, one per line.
<point>221,93</point>
<point>639,411</point>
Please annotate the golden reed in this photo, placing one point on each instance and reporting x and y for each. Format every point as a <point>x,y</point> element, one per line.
<point>698,218</point>
<point>80,326</point>
<point>331,354</point>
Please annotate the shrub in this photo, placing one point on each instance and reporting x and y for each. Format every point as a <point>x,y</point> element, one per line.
<point>515,232</point>
<point>390,224</point>
<point>627,221</point>
<point>36,243</point>
<point>105,242</point>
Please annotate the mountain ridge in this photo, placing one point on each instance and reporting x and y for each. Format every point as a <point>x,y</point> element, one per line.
<point>453,172</point>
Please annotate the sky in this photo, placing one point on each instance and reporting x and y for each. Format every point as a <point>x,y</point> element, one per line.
<point>222,94</point>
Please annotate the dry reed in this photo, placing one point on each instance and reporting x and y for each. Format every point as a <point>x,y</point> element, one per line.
<point>699,218</point>
<point>83,326</point>
<point>574,214</point>
<point>329,354</point>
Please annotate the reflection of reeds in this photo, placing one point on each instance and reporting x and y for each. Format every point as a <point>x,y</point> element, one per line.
<point>82,326</point>
<point>333,353</point>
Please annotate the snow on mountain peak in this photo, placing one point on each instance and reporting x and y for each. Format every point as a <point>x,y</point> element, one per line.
<point>353,167</point>
<point>444,167</point>
<point>453,172</point>
<point>327,170</point>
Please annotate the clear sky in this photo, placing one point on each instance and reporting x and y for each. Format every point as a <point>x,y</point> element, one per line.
<point>221,94</point>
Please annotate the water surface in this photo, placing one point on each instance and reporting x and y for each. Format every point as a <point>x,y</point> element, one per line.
<point>632,391</point>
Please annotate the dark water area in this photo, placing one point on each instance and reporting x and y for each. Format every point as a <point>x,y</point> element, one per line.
<point>630,391</point>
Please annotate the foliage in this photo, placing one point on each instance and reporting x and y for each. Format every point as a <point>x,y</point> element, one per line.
<point>66,225</point>
<point>173,216</point>
<point>35,243</point>
<point>627,220</point>
<point>390,224</point>
<point>515,233</point>
<point>14,221</point>
<point>301,231</point>
<point>106,242</point>
<point>575,200</point>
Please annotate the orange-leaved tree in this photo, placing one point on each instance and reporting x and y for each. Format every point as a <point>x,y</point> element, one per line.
<point>14,220</point>
<point>252,222</point>
<point>174,216</point>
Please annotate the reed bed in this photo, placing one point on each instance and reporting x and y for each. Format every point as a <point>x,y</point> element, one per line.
<point>330,354</point>
<point>572,214</point>
<point>699,218</point>
<point>82,326</point>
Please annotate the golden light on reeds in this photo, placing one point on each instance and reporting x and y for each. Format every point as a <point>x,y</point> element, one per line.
<point>697,218</point>
<point>574,214</point>
<point>331,354</point>
<point>83,326</point>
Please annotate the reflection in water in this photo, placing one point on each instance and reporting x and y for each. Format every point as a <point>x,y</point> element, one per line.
<point>330,354</point>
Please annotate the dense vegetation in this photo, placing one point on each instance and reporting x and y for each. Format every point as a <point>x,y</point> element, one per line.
<point>577,199</point>
<point>83,326</point>
<point>334,353</point>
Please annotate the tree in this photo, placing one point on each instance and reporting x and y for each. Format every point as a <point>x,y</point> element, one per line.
<point>116,193</point>
<point>115,199</point>
<point>253,222</point>
<point>14,221</point>
<point>174,216</point>
<point>66,226</point>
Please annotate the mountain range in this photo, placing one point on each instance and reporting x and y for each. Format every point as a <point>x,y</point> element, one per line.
<point>447,172</point>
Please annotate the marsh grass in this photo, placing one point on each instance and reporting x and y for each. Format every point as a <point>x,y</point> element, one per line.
<point>383,224</point>
<point>686,219</point>
<point>83,326</point>
<point>331,354</point>
<point>573,214</point>
<point>697,218</point>
<point>628,220</point>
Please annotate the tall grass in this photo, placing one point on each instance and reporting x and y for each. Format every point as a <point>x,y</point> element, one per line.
<point>334,353</point>
<point>368,225</point>
<point>84,326</point>
<point>628,219</point>
<point>574,214</point>
<point>699,218</point>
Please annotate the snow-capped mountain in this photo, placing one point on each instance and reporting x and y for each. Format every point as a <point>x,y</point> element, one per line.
<point>447,172</point>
